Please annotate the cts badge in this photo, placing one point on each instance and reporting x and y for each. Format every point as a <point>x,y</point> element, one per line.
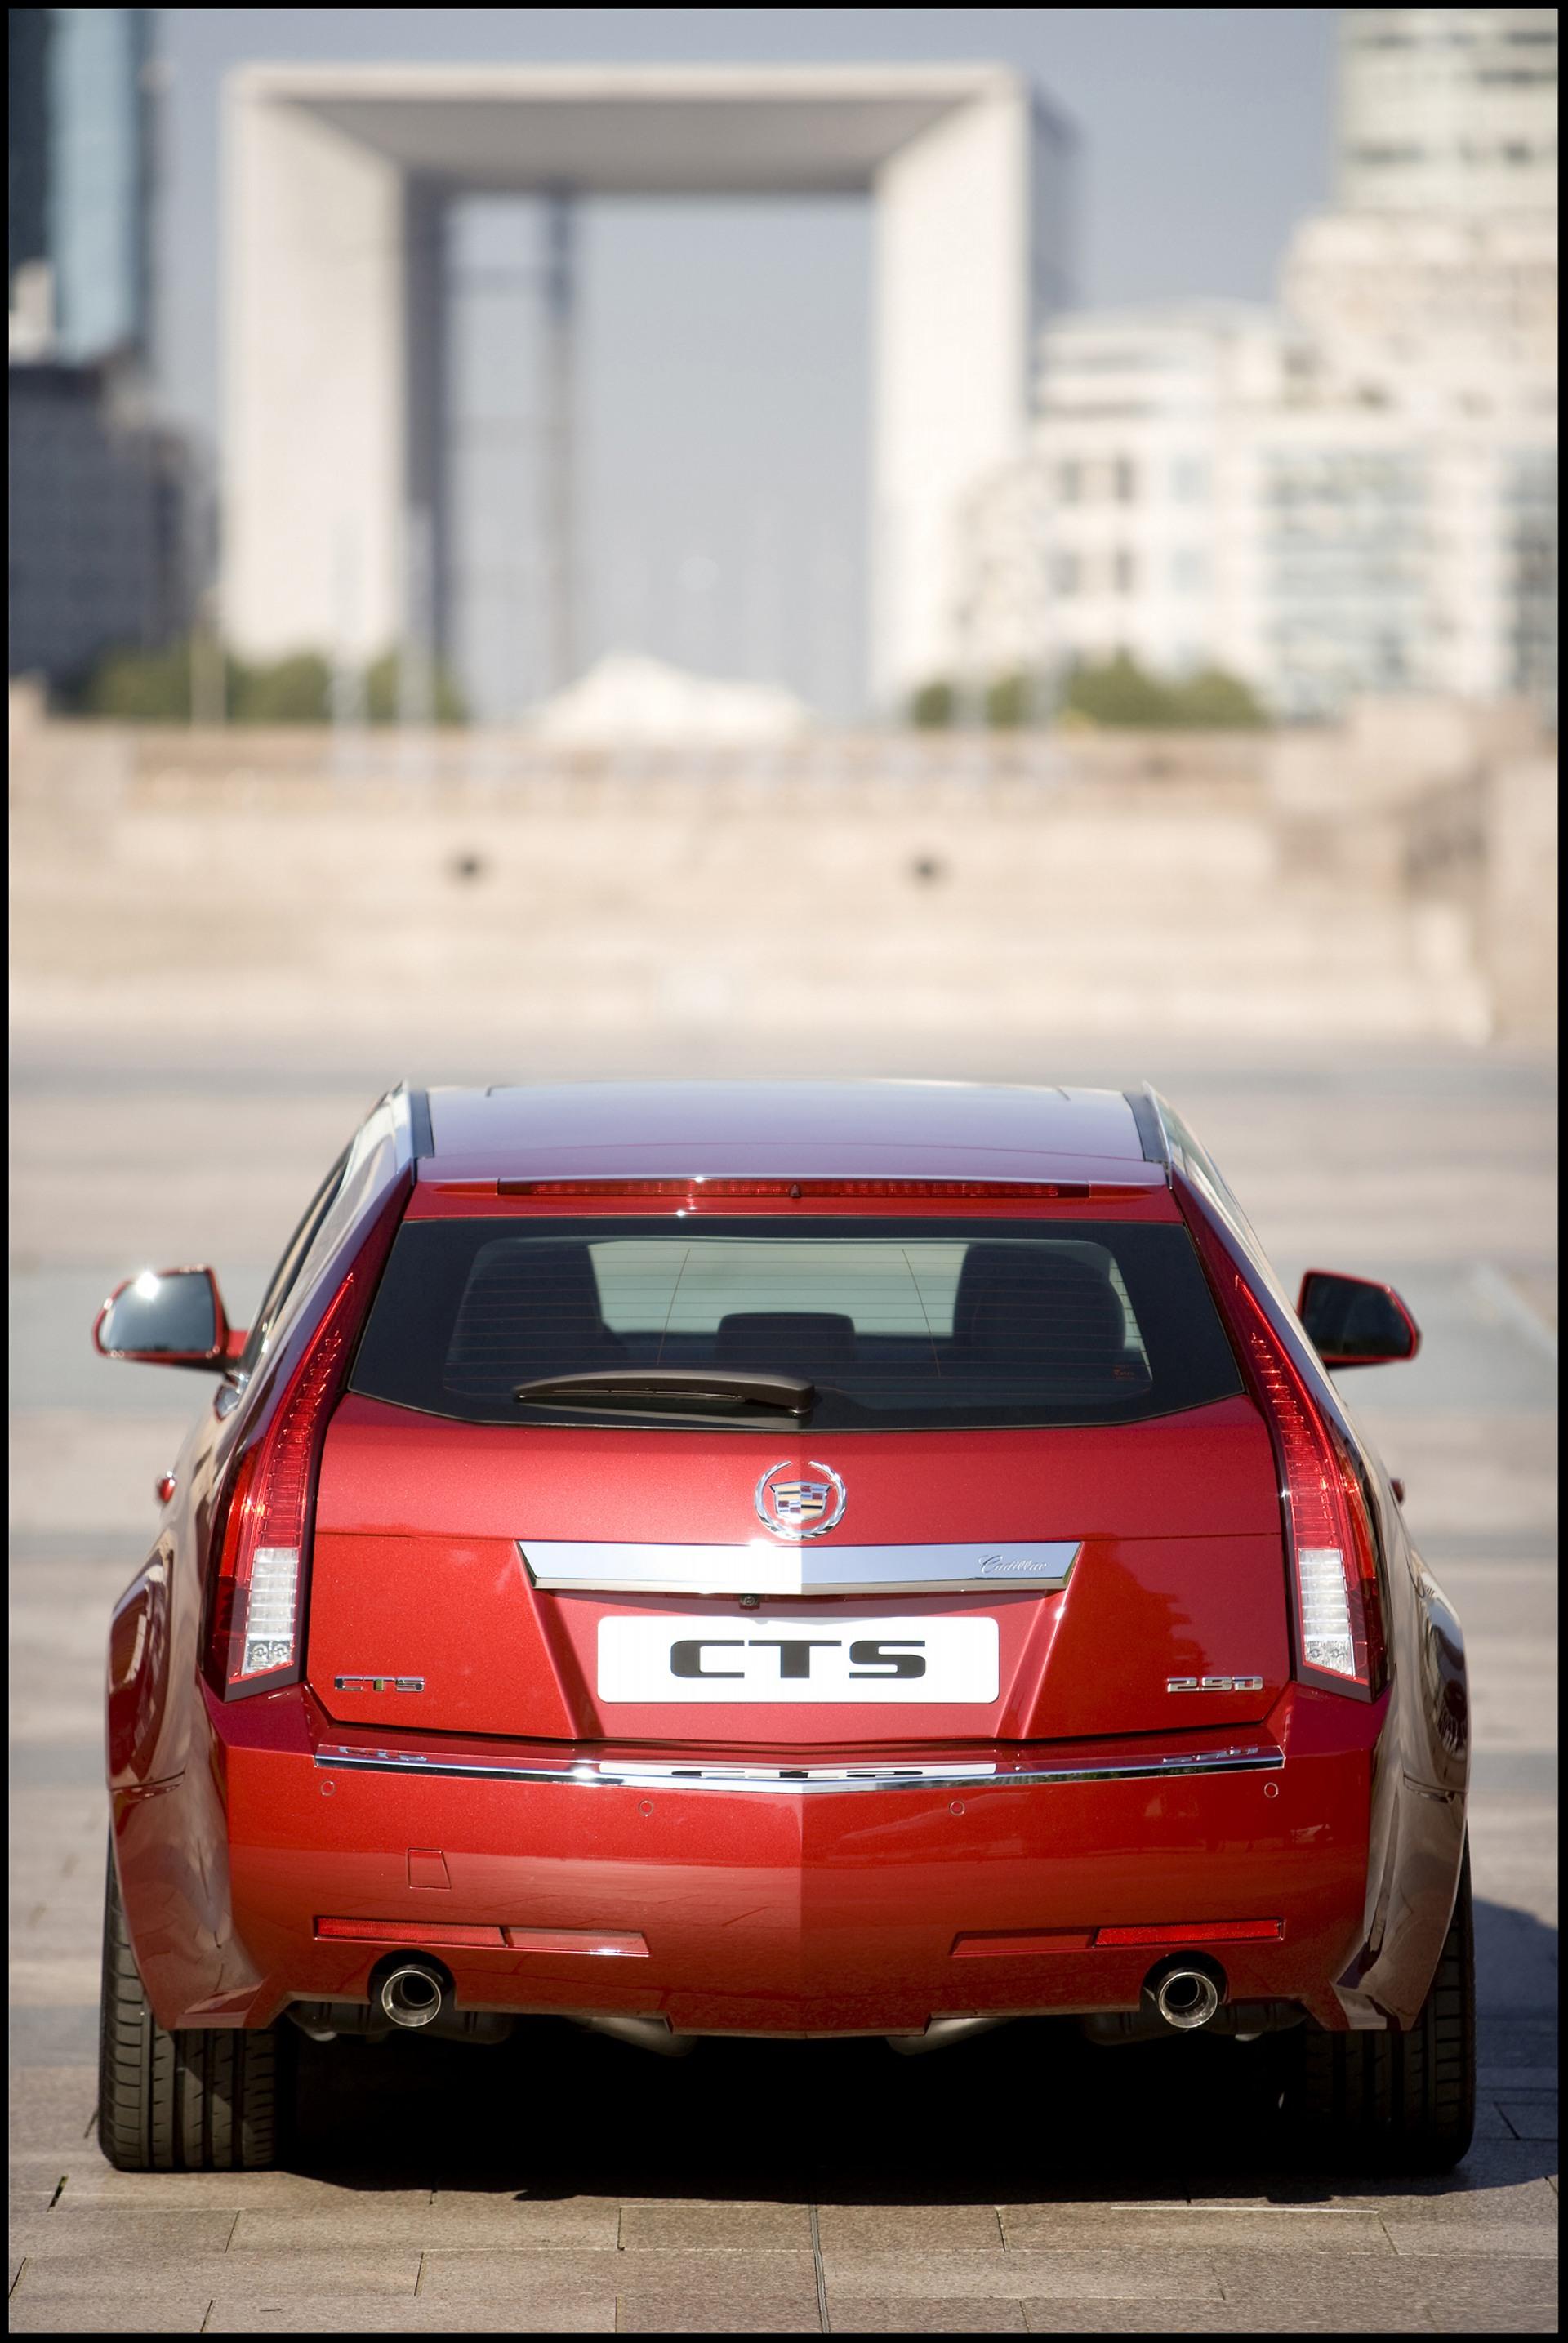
<point>800,1509</point>
<point>666,1657</point>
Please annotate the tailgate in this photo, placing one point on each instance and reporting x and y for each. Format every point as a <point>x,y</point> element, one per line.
<point>424,1615</point>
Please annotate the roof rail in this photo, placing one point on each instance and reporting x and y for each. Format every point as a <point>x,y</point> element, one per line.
<point>415,1105</point>
<point>1152,1135</point>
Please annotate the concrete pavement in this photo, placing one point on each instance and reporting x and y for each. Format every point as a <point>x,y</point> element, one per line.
<point>571,2186</point>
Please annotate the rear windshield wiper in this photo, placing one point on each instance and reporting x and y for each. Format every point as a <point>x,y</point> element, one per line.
<point>663,1391</point>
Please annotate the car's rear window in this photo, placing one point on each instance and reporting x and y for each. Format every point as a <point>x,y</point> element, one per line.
<point>913,1324</point>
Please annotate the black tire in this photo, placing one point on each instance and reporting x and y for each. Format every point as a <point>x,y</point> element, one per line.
<point>201,2099</point>
<point>1399,2102</point>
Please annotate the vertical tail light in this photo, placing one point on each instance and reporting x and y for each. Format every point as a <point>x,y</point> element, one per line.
<point>254,1641</point>
<point>1339,1604</point>
<point>1328,1526</point>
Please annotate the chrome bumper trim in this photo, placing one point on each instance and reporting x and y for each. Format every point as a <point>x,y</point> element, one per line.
<point>804,1781</point>
<point>764,1566</point>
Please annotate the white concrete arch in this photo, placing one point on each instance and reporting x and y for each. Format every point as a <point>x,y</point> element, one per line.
<point>333,180</point>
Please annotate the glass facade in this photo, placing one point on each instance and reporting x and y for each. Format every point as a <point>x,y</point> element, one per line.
<point>98,200</point>
<point>1345,566</point>
<point>27,53</point>
<point>1529,573</point>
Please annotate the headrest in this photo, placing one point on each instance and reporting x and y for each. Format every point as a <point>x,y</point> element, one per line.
<point>796,1341</point>
<point>530,1308</point>
<point>1029,1302</point>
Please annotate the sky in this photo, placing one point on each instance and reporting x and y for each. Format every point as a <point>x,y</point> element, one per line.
<point>723,357</point>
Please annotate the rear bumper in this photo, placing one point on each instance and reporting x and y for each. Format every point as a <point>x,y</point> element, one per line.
<point>759,1905</point>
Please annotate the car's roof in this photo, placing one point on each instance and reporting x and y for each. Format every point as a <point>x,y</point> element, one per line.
<point>824,1129</point>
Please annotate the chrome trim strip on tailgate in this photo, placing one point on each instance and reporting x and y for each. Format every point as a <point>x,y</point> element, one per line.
<point>623,1774</point>
<point>762,1566</point>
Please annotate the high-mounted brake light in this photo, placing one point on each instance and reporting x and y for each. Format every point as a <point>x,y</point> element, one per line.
<point>254,1639</point>
<point>1338,1602</point>
<point>697,1187</point>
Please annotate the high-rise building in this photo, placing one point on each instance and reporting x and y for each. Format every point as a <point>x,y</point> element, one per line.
<point>99,552</point>
<point>1447,110</point>
<point>1117,533</point>
<point>1434,276</point>
<point>1426,479</point>
<point>27,45</point>
<point>80,182</point>
<point>99,559</point>
<point>1355,494</point>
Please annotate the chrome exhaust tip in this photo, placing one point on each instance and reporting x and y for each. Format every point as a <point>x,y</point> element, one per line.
<point>413,1994</point>
<point>1187,1999</point>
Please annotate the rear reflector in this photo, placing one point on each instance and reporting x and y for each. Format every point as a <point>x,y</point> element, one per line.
<point>409,1932</point>
<point>1195,1931</point>
<point>596,1942</point>
<point>697,1187</point>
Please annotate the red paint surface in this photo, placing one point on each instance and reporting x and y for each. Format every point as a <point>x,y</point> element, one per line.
<point>758,1911</point>
<point>416,1570</point>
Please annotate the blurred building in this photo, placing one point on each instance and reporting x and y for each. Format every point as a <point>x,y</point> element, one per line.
<point>1123,530</point>
<point>1447,110</point>
<point>26,217</point>
<point>80,182</point>
<point>99,559</point>
<point>1411,512</point>
<point>1432,285</point>
<point>99,552</point>
<point>1357,493</point>
<point>337,440</point>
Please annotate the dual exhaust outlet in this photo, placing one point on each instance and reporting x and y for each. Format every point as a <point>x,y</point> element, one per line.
<point>414,1991</point>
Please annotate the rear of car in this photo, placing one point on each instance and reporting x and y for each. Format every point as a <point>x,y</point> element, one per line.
<point>817,1576</point>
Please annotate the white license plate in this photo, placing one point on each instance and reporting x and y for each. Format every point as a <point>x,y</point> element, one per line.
<point>670,1657</point>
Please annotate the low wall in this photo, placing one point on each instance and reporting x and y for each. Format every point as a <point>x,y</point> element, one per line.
<point>911,884</point>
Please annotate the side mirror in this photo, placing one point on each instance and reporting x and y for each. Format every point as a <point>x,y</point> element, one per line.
<point>1353,1322</point>
<point>167,1318</point>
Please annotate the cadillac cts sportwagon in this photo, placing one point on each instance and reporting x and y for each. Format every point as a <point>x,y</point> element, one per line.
<point>784,1559</point>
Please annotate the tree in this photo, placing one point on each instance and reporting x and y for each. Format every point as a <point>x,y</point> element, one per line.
<point>137,686</point>
<point>293,690</point>
<point>382,679</point>
<point>1009,701</point>
<point>931,708</point>
<point>1214,700</point>
<point>1118,693</point>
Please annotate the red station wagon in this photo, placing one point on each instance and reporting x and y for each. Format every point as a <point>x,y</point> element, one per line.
<point>781,1559</point>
